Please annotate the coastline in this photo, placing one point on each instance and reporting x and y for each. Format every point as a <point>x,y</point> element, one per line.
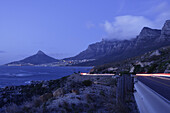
<point>68,94</point>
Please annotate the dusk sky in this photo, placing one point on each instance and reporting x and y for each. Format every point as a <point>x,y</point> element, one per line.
<point>63,28</point>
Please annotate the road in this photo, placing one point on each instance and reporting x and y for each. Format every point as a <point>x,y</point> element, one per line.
<point>161,85</point>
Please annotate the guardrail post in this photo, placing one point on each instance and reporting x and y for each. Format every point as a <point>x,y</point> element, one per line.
<point>120,91</point>
<point>124,85</point>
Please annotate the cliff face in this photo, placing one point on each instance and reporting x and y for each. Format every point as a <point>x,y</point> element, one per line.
<point>108,51</point>
<point>102,49</point>
<point>165,33</point>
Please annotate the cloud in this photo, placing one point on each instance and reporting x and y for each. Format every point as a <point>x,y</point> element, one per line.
<point>162,13</point>
<point>125,27</point>
<point>129,26</point>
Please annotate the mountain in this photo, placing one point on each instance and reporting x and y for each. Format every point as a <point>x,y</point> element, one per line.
<point>39,58</point>
<point>116,50</point>
<point>157,61</point>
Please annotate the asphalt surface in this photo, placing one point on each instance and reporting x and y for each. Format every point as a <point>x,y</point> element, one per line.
<point>159,85</point>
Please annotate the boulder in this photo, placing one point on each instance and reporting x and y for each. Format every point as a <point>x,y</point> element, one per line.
<point>5,100</point>
<point>59,92</point>
<point>75,91</point>
<point>45,97</point>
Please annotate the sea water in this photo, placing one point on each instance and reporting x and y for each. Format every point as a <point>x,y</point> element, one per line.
<point>22,75</point>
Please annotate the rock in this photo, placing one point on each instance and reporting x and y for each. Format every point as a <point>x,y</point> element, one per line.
<point>166,29</point>
<point>165,34</point>
<point>75,91</point>
<point>155,53</point>
<point>5,100</point>
<point>167,71</point>
<point>149,33</point>
<point>59,92</point>
<point>44,85</point>
<point>132,69</point>
<point>45,97</point>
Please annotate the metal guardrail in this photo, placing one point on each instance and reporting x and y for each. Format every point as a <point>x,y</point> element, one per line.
<point>149,101</point>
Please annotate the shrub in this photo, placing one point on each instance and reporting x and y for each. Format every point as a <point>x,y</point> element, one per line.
<point>36,101</point>
<point>122,108</point>
<point>152,68</point>
<point>45,97</point>
<point>102,93</point>
<point>13,108</point>
<point>87,82</point>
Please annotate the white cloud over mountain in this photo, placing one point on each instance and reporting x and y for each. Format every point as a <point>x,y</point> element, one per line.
<point>125,27</point>
<point>128,26</point>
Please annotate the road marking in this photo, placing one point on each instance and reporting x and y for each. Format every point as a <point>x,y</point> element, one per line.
<point>158,82</point>
<point>163,78</point>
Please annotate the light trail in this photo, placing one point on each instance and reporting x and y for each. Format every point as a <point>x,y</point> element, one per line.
<point>97,74</point>
<point>155,75</point>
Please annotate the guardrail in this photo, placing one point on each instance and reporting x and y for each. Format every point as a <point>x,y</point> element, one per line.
<point>149,101</point>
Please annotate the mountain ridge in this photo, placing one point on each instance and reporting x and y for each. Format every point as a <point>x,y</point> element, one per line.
<point>117,50</point>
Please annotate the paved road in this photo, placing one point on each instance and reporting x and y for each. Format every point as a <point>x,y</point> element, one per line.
<point>160,85</point>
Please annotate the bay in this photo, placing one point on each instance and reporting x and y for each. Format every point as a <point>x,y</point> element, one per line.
<point>22,75</point>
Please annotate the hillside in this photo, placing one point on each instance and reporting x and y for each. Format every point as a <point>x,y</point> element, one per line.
<point>157,61</point>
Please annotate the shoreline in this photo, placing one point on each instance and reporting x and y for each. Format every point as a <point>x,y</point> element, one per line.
<point>69,94</point>
<point>28,91</point>
<point>44,66</point>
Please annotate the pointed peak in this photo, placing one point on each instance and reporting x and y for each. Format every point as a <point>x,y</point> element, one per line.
<point>40,52</point>
<point>166,26</point>
<point>146,31</point>
<point>167,22</point>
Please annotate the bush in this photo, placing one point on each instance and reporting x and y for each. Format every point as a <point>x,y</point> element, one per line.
<point>152,68</point>
<point>102,93</point>
<point>12,108</point>
<point>87,82</point>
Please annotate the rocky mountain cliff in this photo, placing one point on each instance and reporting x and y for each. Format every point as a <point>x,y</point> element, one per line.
<point>116,50</point>
<point>39,58</point>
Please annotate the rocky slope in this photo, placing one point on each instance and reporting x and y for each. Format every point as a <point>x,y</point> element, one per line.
<point>157,61</point>
<point>71,94</point>
<point>116,50</point>
<point>39,58</point>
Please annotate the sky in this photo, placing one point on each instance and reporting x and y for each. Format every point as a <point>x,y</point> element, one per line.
<point>63,28</point>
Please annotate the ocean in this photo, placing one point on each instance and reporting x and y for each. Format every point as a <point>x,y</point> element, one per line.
<point>22,75</point>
